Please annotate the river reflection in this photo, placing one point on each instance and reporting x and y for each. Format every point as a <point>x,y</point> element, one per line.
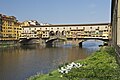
<point>18,63</point>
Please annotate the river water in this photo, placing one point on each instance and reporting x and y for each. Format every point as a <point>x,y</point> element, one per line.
<point>19,63</point>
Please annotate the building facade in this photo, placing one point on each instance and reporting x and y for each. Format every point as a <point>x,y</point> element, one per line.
<point>115,22</point>
<point>0,26</point>
<point>102,30</point>
<point>10,28</point>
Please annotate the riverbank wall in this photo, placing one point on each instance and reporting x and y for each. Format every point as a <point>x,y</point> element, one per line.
<point>9,43</point>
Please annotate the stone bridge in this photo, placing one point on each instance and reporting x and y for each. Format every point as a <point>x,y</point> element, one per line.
<point>49,42</point>
<point>73,41</point>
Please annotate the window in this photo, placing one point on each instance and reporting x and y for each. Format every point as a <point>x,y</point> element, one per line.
<point>68,32</point>
<point>84,28</point>
<point>9,23</point>
<point>105,30</point>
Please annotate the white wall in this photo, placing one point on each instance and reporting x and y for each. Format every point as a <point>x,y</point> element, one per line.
<point>118,24</point>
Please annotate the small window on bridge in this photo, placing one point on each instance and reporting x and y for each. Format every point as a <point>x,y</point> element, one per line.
<point>105,30</point>
<point>84,28</point>
<point>43,31</point>
<point>105,26</point>
<point>68,32</point>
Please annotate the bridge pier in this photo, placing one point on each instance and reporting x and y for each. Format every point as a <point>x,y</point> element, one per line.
<point>49,44</point>
<point>80,44</point>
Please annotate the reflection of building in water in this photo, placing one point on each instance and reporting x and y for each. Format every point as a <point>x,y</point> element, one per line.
<point>102,30</point>
<point>78,53</point>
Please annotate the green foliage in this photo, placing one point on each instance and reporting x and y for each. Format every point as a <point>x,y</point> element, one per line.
<point>101,65</point>
<point>110,50</point>
<point>50,74</point>
<point>62,65</point>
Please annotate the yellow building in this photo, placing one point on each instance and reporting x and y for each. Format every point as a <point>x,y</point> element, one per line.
<point>0,26</point>
<point>10,28</point>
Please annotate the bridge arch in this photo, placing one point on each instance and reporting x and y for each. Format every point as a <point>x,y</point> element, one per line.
<point>49,43</point>
<point>105,42</point>
<point>51,33</point>
<point>63,33</point>
<point>58,33</point>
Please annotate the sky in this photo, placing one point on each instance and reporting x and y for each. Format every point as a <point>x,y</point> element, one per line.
<point>58,11</point>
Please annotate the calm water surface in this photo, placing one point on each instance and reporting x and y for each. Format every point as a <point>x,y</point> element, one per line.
<point>19,63</point>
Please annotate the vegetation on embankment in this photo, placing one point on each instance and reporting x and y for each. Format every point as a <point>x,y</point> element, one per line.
<point>7,45</point>
<point>101,65</point>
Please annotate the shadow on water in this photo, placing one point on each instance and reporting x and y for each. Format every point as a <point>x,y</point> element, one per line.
<point>28,47</point>
<point>31,47</point>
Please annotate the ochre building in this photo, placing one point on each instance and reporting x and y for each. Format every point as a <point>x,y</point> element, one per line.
<point>9,28</point>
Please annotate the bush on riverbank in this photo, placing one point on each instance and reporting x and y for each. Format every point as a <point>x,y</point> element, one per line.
<point>101,65</point>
